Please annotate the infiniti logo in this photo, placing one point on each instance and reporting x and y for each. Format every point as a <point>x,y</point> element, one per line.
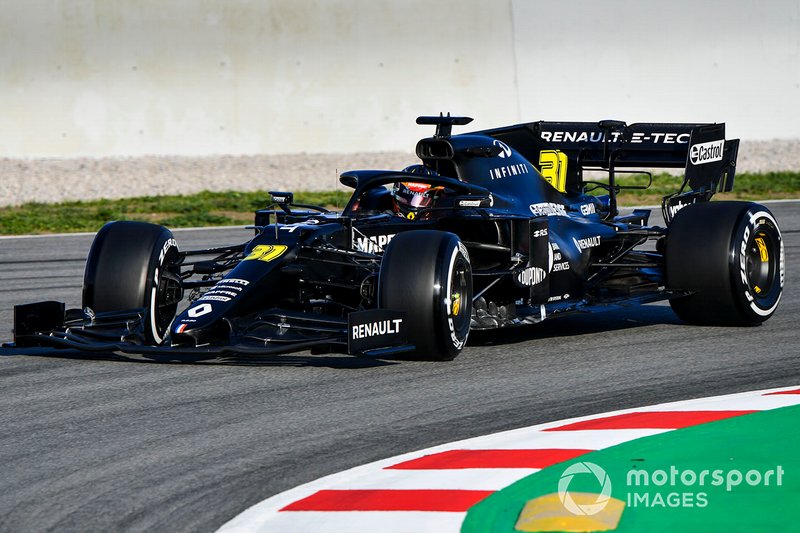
<point>506,151</point>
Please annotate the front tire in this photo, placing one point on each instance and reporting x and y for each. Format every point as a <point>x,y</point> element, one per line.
<point>133,265</point>
<point>731,255</point>
<point>427,275</point>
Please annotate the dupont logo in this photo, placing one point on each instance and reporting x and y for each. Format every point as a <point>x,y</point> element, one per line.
<point>530,276</point>
<point>702,153</point>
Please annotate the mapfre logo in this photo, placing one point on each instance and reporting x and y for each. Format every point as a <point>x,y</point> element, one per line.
<point>505,150</point>
<point>702,153</point>
<point>371,244</point>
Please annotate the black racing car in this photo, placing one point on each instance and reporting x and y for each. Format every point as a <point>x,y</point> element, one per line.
<point>490,229</point>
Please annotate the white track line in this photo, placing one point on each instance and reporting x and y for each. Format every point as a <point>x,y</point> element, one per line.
<point>466,479</point>
<point>357,522</point>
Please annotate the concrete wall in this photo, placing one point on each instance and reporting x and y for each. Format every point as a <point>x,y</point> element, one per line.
<point>733,61</point>
<point>193,77</point>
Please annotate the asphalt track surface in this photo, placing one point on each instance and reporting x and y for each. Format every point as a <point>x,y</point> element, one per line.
<point>93,444</point>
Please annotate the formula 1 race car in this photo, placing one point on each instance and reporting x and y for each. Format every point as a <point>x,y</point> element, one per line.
<point>491,229</point>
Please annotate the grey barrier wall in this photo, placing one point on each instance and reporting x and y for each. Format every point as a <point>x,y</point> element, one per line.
<point>202,77</point>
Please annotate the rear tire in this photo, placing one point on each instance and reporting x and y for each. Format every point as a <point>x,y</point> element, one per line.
<point>133,265</point>
<point>731,255</point>
<point>427,275</point>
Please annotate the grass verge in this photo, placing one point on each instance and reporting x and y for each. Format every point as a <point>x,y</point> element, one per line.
<point>196,210</point>
<point>235,208</point>
<point>748,186</point>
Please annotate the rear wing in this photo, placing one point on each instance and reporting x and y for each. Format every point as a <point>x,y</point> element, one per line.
<point>562,151</point>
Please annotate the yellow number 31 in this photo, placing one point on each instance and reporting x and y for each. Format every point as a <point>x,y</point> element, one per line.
<point>266,252</point>
<point>553,165</point>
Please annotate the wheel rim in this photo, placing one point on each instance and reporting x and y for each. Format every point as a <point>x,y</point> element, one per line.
<point>459,289</point>
<point>460,292</point>
<point>762,263</point>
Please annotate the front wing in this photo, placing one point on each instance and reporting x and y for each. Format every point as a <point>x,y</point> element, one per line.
<point>271,332</point>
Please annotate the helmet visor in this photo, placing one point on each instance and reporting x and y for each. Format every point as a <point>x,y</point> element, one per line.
<point>415,195</point>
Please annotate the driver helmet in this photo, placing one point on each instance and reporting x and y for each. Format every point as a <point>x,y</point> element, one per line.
<point>410,197</point>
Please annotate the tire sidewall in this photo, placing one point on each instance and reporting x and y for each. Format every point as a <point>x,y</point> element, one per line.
<point>165,250</point>
<point>757,308</point>
<point>453,333</point>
